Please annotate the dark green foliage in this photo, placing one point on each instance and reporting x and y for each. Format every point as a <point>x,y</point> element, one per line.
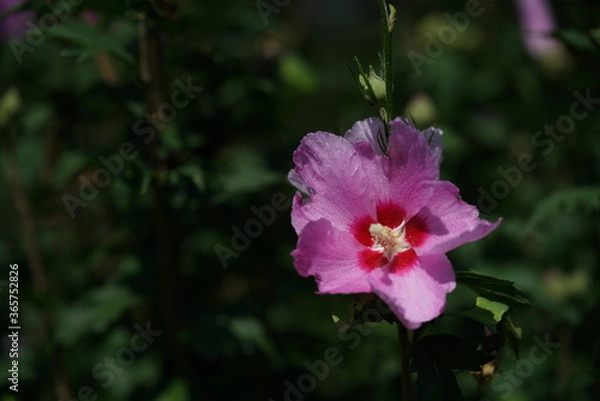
<point>494,289</point>
<point>241,323</point>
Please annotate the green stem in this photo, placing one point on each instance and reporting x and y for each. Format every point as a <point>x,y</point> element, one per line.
<point>387,59</point>
<point>404,344</point>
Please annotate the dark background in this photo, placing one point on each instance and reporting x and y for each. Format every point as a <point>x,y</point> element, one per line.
<point>142,249</point>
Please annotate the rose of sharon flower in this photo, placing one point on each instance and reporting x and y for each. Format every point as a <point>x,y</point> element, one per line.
<point>14,25</point>
<point>375,223</point>
<point>537,23</point>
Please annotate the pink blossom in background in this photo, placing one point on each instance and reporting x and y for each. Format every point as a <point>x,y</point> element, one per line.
<point>537,24</point>
<point>13,26</point>
<point>375,223</point>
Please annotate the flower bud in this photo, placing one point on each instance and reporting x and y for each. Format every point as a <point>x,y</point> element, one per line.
<point>377,84</point>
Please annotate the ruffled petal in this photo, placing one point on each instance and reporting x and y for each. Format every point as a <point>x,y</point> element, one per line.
<point>433,136</point>
<point>299,219</point>
<point>416,293</point>
<point>332,256</point>
<point>447,222</point>
<point>335,179</point>
<point>413,150</point>
<point>369,131</point>
<point>295,179</point>
<point>406,175</point>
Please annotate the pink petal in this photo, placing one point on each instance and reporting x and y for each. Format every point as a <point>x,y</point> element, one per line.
<point>413,149</point>
<point>295,179</point>
<point>299,218</point>
<point>336,181</point>
<point>537,24</point>
<point>416,294</point>
<point>14,26</point>
<point>370,129</point>
<point>406,174</point>
<point>332,256</point>
<point>367,131</point>
<point>433,136</point>
<point>449,222</point>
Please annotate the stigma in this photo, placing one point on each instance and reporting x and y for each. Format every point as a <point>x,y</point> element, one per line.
<point>387,240</point>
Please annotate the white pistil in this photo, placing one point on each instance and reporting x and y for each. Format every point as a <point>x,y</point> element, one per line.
<point>387,240</point>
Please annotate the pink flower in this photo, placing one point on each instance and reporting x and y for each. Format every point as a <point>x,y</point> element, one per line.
<point>14,25</point>
<point>537,24</point>
<point>375,223</point>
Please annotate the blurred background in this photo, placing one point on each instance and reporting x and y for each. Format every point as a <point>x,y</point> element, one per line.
<point>141,139</point>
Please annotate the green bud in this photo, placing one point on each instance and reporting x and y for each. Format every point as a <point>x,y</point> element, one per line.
<point>391,18</point>
<point>375,83</point>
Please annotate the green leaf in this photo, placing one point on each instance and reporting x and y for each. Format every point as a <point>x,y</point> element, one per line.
<point>37,117</point>
<point>68,165</point>
<point>146,181</point>
<point>251,332</point>
<point>486,312</point>
<point>88,41</point>
<point>452,352</point>
<point>170,138</point>
<point>94,313</point>
<point>494,289</point>
<point>195,174</point>
<point>496,308</point>
<point>577,39</point>
<point>177,390</point>
<point>485,317</point>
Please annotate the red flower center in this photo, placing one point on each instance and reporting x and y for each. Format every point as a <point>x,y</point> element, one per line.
<point>390,239</point>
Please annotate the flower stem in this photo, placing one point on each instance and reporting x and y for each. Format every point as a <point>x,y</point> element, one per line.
<point>404,344</point>
<point>386,26</point>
